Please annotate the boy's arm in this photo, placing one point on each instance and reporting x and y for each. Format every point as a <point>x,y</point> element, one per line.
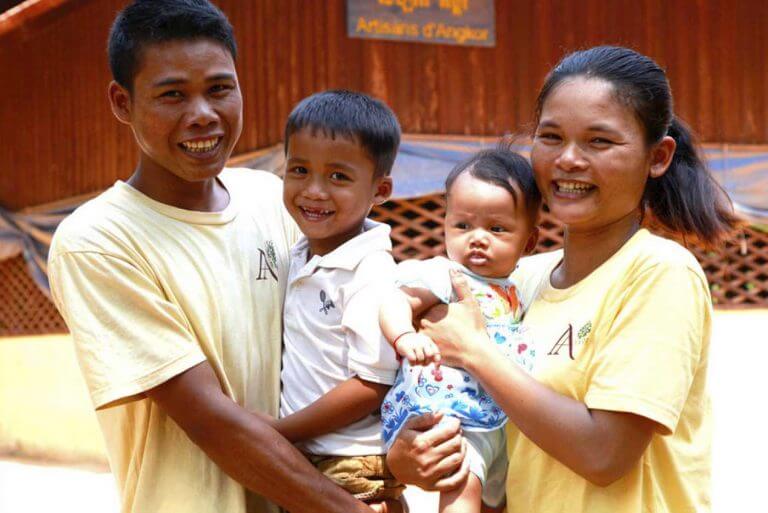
<point>343,405</point>
<point>246,447</point>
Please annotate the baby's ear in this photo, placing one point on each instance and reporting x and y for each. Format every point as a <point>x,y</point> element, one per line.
<point>383,189</point>
<point>533,239</point>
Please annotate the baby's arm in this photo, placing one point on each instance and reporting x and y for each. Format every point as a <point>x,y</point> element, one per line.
<point>396,321</point>
<point>343,405</point>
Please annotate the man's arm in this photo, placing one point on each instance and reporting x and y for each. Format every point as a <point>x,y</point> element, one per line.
<point>343,405</point>
<point>246,447</point>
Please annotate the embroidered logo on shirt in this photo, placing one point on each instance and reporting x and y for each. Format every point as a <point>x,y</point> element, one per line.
<point>325,304</point>
<point>267,262</point>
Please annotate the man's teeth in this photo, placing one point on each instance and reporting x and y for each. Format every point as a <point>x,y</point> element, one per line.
<point>201,146</point>
<point>574,186</point>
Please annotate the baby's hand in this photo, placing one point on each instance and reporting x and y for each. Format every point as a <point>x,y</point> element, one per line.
<point>418,349</point>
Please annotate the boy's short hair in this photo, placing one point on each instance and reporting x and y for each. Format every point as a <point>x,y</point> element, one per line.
<point>504,167</point>
<point>146,22</point>
<point>354,115</point>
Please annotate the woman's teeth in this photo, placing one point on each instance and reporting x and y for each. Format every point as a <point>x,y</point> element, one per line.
<point>573,187</point>
<point>201,146</point>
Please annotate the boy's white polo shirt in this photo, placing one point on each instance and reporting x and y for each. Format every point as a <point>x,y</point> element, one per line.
<point>331,332</point>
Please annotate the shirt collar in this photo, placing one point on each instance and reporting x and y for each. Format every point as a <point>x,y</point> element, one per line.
<point>374,237</point>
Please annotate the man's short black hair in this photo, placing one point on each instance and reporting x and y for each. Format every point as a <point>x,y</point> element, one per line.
<point>354,115</point>
<point>146,22</point>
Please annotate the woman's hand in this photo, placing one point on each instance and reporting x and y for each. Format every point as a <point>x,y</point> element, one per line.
<point>429,456</point>
<point>458,329</point>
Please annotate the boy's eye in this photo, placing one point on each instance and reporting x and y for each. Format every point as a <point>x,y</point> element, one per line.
<point>298,170</point>
<point>339,176</point>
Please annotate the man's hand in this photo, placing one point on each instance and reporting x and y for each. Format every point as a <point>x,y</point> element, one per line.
<point>428,455</point>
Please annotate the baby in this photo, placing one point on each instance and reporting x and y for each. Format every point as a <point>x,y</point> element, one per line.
<point>491,216</point>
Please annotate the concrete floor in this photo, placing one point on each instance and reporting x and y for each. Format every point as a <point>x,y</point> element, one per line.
<point>738,382</point>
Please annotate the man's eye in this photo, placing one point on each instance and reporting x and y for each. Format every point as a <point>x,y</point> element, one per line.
<point>221,89</point>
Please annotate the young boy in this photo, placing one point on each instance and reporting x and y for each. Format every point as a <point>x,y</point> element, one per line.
<point>156,279</point>
<point>340,148</point>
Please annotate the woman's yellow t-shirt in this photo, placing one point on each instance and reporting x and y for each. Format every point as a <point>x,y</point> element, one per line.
<point>633,336</point>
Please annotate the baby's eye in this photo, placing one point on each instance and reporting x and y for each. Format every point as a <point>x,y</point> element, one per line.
<point>461,225</point>
<point>498,229</point>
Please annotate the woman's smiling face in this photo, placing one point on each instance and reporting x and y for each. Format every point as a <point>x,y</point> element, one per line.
<point>589,155</point>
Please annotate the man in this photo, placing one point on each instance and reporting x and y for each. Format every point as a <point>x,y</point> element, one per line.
<point>172,283</point>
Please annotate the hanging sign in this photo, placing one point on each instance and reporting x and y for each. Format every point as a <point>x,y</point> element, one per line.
<point>453,22</point>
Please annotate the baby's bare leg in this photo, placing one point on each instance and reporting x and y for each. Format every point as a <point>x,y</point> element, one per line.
<point>465,499</point>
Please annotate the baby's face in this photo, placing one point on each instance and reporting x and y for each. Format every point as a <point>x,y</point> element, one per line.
<point>486,230</point>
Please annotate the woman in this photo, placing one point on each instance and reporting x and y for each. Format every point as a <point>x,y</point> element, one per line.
<point>616,417</point>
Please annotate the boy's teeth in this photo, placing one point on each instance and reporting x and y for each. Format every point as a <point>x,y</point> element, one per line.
<point>200,146</point>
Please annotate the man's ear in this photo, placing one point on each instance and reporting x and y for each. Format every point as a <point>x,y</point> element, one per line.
<point>120,101</point>
<point>383,189</point>
<point>530,244</point>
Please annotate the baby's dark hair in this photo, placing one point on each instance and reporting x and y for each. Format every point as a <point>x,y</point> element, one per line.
<point>686,200</point>
<point>145,22</point>
<point>506,168</point>
<point>353,115</point>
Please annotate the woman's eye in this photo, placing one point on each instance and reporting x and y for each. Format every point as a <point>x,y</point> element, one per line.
<point>548,137</point>
<point>601,141</point>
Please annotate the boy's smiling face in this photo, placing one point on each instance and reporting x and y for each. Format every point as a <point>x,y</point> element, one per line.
<point>330,186</point>
<point>185,109</point>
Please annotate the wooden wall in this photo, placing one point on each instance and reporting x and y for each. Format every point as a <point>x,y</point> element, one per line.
<point>58,137</point>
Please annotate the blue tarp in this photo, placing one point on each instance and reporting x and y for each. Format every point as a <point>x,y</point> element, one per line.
<point>420,170</point>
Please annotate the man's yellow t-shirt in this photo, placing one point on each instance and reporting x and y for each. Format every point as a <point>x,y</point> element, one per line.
<point>149,291</point>
<point>633,337</point>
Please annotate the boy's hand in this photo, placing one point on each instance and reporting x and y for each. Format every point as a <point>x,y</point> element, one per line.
<point>418,349</point>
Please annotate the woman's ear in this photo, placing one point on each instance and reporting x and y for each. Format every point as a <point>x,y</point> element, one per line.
<point>661,156</point>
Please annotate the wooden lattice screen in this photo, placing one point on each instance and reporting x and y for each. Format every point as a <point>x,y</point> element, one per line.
<point>24,309</point>
<point>737,273</point>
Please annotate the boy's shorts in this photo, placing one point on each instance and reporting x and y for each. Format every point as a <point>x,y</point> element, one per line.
<point>367,478</point>
<point>487,457</point>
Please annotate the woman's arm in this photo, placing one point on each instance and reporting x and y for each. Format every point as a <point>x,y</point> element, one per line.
<point>343,405</point>
<point>601,446</point>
